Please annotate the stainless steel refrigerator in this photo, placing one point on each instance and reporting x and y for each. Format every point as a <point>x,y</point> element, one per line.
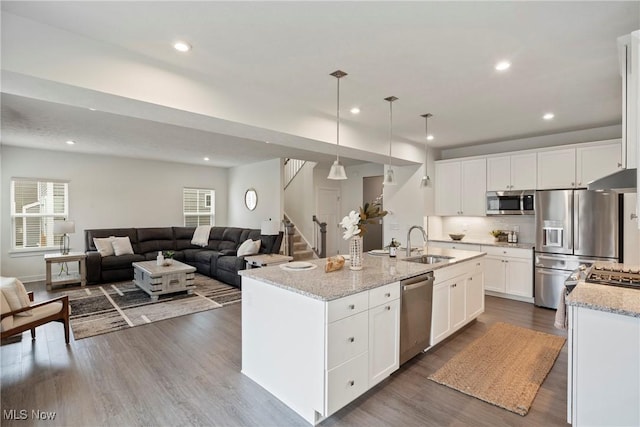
<point>573,227</point>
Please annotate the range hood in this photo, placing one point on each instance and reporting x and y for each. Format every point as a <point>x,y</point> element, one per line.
<point>623,181</point>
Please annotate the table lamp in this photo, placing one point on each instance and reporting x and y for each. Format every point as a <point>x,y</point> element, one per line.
<point>270,228</point>
<point>65,228</point>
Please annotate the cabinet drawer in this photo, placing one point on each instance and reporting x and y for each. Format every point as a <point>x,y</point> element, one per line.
<point>347,338</point>
<point>384,294</point>
<point>455,245</point>
<point>508,252</point>
<point>346,382</point>
<point>347,306</point>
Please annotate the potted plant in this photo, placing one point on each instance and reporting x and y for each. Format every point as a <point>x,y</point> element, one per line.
<point>168,257</point>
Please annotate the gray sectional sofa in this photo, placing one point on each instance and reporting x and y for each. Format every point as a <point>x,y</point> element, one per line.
<point>218,259</point>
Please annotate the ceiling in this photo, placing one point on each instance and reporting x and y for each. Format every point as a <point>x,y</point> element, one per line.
<point>267,67</point>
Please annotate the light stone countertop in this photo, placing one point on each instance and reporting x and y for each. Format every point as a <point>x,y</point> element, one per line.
<point>487,242</point>
<point>377,271</point>
<point>612,299</point>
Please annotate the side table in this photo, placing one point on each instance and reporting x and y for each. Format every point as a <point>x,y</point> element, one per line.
<point>265,260</point>
<point>61,279</point>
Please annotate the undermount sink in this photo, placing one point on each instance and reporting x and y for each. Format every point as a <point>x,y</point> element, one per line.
<point>429,259</point>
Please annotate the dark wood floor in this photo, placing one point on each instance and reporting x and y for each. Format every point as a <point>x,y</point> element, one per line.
<point>186,371</point>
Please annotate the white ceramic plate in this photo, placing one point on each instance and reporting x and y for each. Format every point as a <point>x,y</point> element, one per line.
<point>379,252</point>
<point>298,265</point>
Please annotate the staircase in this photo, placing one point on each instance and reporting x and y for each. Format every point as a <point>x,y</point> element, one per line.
<point>301,251</point>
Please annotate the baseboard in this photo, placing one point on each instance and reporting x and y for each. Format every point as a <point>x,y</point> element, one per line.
<point>509,296</point>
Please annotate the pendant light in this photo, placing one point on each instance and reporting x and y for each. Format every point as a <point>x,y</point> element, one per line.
<point>426,181</point>
<point>337,170</point>
<point>389,177</point>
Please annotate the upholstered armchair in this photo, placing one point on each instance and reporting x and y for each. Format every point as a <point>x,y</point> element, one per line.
<point>19,313</point>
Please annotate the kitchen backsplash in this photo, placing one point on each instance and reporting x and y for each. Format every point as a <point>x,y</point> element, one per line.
<point>478,228</point>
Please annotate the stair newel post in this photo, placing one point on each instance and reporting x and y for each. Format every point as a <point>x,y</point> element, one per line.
<point>290,230</point>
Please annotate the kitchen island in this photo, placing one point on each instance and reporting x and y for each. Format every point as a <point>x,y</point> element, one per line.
<point>604,355</point>
<point>319,340</point>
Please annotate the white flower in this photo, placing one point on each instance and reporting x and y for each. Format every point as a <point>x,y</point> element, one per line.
<point>350,225</point>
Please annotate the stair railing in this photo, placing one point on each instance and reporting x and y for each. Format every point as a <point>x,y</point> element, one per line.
<point>291,169</point>
<point>319,237</point>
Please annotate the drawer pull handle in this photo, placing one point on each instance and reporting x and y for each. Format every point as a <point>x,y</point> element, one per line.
<point>352,383</point>
<point>351,339</point>
<point>388,307</point>
<point>387,295</point>
<point>352,307</point>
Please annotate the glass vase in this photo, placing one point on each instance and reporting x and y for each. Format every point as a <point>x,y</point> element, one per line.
<point>355,253</point>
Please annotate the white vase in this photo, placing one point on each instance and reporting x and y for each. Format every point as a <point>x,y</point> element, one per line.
<point>355,253</point>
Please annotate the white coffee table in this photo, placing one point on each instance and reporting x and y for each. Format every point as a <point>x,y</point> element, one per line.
<point>158,280</point>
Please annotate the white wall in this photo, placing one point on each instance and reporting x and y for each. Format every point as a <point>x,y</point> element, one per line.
<point>104,192</point>
<point>405,204</point>
<point>266,178</point>
<point>299,200</point>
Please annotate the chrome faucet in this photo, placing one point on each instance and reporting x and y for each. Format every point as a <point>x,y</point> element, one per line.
<point>424,236</point>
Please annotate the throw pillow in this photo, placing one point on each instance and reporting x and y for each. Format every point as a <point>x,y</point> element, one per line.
<point>104,245</point>
<point>16,295</point>
<point>122,246</point>
<point>249,247</point>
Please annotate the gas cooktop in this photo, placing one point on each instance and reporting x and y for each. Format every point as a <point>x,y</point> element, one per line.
<point>615,275</point>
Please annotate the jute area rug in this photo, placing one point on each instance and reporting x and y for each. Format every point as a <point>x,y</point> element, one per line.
<point>505,367</point>
<point>111,307</point>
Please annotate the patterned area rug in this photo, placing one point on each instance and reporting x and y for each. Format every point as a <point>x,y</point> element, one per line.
<point>505,367</point>
<point>111,307</point>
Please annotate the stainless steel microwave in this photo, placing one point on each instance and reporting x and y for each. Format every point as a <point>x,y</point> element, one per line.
<point>510,202</point>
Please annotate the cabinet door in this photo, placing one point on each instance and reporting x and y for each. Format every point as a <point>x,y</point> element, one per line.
<point>519,277</point>
<point>458,302</point>
<point>494,274</point>
<point>596,161</point>
<point>499,173</point>
<point>440,317</point>
<point>384,341</point>
<point>448,188</point>
<point>556,169</point>
<point>523,171</point>
<point>474,289</point>
<point>474,187</point>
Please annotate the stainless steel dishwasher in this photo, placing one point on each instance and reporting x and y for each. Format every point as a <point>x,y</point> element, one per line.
<point>415,315</point>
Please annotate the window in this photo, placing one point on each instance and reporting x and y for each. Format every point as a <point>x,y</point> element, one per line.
<point>35,206</point>
<point>198,206</point>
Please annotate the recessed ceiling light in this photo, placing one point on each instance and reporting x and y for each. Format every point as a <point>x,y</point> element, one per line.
<point>92,109</point>
<point>70,142</point>
<point>430,138</point>
<point>355,110</point>
<point>206,159</point>
<point>503,65</point>
<point>182,46</point>
<point>548,116</point>
<point>266,142</point>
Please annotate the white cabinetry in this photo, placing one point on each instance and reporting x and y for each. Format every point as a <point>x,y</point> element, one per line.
<point>461,187</point>
<point>576,167</point>
<point>384,332</point>
<point>452,245</point>
<point>509,272</point>
<point>317,356</point>
<point>603,372</point>
<point>458,298</point>
<point>510,173</point>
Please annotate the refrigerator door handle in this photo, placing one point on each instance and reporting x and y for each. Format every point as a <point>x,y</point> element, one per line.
<point>576,220</point>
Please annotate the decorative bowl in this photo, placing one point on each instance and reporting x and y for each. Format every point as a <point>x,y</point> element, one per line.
<point>456,236</point>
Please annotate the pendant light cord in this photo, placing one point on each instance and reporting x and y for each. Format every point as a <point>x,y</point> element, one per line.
<point>390,129</point>
<point>338,121</point>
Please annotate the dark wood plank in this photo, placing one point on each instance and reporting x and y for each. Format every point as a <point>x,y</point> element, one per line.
<point>186,371</point>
